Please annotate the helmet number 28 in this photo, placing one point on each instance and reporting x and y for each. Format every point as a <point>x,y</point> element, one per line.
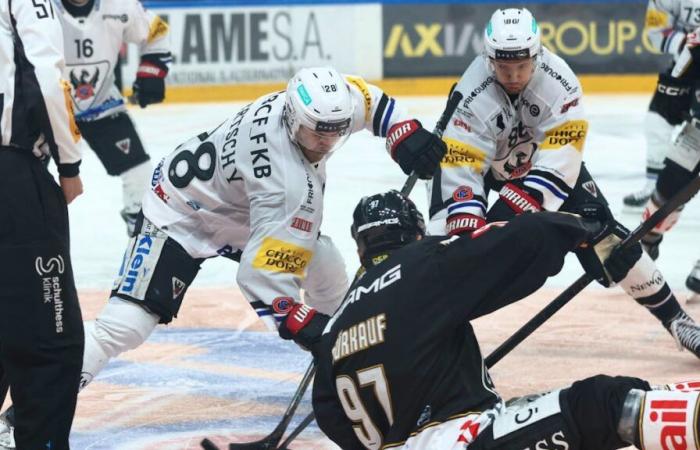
<point>187,165</point>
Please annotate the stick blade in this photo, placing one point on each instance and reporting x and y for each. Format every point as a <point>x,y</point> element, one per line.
<point>208,445</point>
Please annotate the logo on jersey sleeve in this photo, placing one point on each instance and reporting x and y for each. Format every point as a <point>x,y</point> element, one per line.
<point>360,84</point>
<point>157,30</point>
<point>283,257</point>
<point>460,154</point>
<point>655,18</point>
<point>571,133</point>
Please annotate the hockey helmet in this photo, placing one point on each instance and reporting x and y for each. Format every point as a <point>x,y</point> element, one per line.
<point>318,110</point>
<point>512,34</point>
<point>384,222</point>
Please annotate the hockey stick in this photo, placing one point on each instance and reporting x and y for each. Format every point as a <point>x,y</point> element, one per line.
<point>271,440</point>
<point>584,280</point>
<point>455,97</point>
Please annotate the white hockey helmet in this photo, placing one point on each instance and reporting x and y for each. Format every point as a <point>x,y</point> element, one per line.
<point>512,34</point>
<point>318,109</point>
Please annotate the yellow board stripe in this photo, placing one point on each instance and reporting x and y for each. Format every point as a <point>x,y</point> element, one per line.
<point>592,84</point>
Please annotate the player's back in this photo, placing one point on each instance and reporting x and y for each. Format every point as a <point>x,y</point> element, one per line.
<point>393,356</point>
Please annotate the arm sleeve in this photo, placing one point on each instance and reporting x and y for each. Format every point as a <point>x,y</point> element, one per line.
<point>42,42</point>
<point>557,162</point>
<point>471,146</point>
<point>526,251</point>
<point>146,29</point>
<point>374,110</point>
<point>659,25</point>
<point>276,257</point>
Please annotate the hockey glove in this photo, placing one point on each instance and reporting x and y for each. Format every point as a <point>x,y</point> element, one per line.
<point>303,325</point>
<point>463,224</point>
<point>601,256</point>
<point>149,86</point>
<point>514,199</point>
<point>415,148</point>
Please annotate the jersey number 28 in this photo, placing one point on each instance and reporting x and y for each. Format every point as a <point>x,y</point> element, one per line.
<point>187,165</point>
<point>364,427</point>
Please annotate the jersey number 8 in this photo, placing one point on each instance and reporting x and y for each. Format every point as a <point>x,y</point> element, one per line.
<point>187,165</point>
<point>364,427</point>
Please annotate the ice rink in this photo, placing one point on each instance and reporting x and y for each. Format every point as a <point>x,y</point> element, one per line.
<point>204,376</point>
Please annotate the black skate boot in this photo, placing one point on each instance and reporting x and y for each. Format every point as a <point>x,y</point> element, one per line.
<point>693,283</point>
<point>686,333</point>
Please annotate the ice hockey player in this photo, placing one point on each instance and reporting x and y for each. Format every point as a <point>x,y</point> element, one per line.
<point>671,27</point>
<point>520,131</point>
<point>682,164</point>
<point>41,328</point>
<point>93,34</point>
<point>252,190</point>
<point>386,380</point>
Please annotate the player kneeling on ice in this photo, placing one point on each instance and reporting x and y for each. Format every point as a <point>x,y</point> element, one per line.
<point>251,190</point>
<point>520,131</point>
<point>386,380</point>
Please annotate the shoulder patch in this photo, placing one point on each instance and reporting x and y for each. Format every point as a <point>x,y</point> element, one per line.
<point>655,18</point>
<point>571,133</point>
<point>158,29</point>
<point>360,84</point>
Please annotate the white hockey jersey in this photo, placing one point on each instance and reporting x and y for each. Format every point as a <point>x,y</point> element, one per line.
<point>245,187</point>
<point>538,137</point>
<point>92,47</point>
<point>35,109</point>
<point>668,21</point>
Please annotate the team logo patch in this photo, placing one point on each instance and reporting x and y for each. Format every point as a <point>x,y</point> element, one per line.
<point>124,145</point>
<point>87,80</point>
<point>590,187</point>
<point>302,224</point>
<point>178,287</point>
<point>282,305</point>
<point>567,106</point>
<point>279,256</point>
<point>160,193</point>
<point>462,194</point>
<point>460,154</point>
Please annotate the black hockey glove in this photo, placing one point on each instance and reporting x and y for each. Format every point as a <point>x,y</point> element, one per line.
<point>149,86</point>
<point>651,242</point>
<point>601,256</point>
<point>415,148</point>
<point>303,325</point>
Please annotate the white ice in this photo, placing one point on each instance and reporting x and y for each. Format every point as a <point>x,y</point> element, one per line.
<point>614,154</point>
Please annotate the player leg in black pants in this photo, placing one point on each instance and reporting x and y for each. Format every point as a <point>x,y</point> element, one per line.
<point>644,282</point>
<point>41,328</point>
<point>117,144</point>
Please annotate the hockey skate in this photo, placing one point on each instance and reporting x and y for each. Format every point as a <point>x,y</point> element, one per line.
<point>686,333</point>
<point>635,201</point>
<point>693,284</point>
<point>7,430</point>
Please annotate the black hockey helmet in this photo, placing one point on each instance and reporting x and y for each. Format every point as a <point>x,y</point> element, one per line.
<point>384,222</point>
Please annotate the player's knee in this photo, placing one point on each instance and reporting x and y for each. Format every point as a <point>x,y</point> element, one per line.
<point>595,406</point>
<point>122,326</point>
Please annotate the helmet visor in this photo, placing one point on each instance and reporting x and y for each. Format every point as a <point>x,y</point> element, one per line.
<point>325,137</point>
